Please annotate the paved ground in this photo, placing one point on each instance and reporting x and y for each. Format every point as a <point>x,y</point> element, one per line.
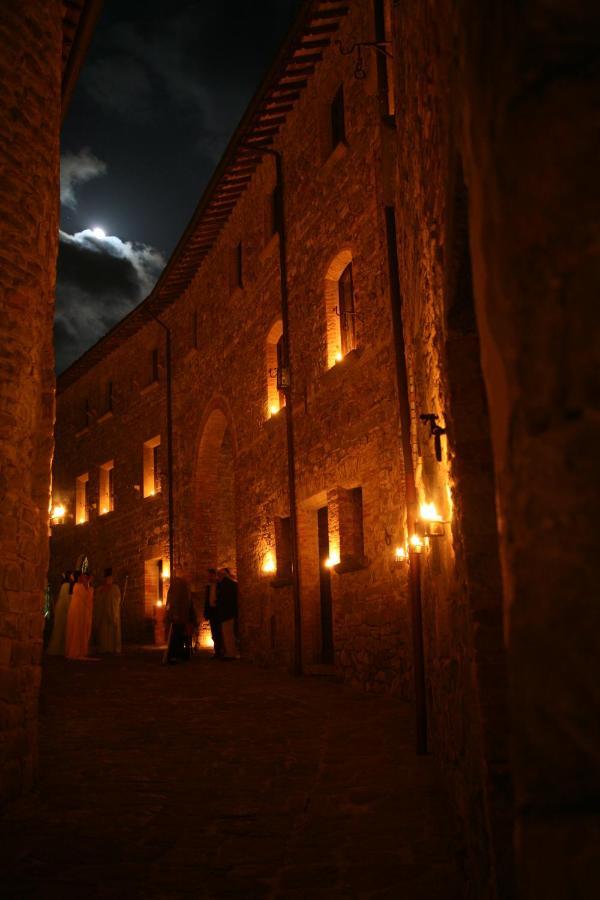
<point>215,780</point>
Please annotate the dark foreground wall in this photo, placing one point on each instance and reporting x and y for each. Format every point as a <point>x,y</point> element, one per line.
<point>529,131</point>
<point>30,80</point>
<point>520,85</point>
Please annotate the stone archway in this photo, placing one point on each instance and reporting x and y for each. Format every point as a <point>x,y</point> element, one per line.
<point>215,508</point>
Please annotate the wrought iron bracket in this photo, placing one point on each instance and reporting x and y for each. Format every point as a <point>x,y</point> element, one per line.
<point>359,67</point>
<point>435,431</point>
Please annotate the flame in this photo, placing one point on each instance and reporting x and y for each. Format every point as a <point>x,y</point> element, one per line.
<point>58,511</point>
<point>429,513</point>
<point>159,603</point>
<point>269,565</point>
<point>416,543</point>
<point>332,560</point>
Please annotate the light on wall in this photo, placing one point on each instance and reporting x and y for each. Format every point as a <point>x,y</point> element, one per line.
<point>332,560</point>
<point>434,523</point>
<point>268,564</point>
<point>166,570</point>
<point>58,514</point>
<point>274,409</point>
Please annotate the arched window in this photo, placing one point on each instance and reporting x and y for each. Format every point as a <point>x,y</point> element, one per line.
<point>340,308</point>
<point>275,358</point>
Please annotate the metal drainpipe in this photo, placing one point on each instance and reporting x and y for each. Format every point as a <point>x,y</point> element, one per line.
<point>289,416</point>
<point>168,367</point>
<point>414,571</point>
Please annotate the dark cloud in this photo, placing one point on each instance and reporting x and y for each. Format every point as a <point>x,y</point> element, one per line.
<point>100,279</point>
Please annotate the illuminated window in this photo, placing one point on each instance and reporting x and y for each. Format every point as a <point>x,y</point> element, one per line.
<point>350,524</point>
<point>106,498</point>
<point>340,308</point>
<point>277,371</point>
<point>236,267</point>
<point>151,467</point>
<point>154,584</point>
<point>82,506</point>
<point>346,312</point>
<point>337,118</point>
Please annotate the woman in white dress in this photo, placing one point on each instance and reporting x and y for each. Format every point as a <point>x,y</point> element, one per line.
<point>56,645</point>
<point>79,619</point>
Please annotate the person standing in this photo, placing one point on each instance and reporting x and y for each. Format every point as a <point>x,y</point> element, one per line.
<point>107,614</point>
<point>56,645</point>
<point>181,617</point>
<point>212,614</point>
<point>227,605</point>
<point>79,618</point>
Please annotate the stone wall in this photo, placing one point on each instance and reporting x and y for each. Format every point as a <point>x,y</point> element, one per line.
<point>30,75</point>
<point>528,82</point>
<point>461,585</point>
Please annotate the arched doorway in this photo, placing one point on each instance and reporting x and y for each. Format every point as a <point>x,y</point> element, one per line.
<point>215,518</point>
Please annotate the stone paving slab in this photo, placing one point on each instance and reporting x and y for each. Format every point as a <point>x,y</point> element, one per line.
<point>213,780</point>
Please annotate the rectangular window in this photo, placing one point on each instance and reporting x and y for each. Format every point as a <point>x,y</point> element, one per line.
<point>151,467</point>
<point>272,214</point>
<point>154,584</point>
<point>82,506</point>
<point>283,546</point>
<point>236,267</point>
<point>346,310</point>
<point>106,499</point>
<point>337,118</point>
<point>282,372</point>
<point>351,530</point>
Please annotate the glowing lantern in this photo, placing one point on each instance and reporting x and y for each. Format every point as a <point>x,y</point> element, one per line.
<point>416,543</point>
<point>400,554</point>
<point>58,513</point>
<point>269,565</point>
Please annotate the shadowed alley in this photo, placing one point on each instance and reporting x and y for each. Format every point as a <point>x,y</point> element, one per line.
<point>212,780</point>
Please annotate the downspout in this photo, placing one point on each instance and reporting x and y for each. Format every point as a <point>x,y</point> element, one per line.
<point>414,570</point>
<point>168,369</point>
<point>289,414</point>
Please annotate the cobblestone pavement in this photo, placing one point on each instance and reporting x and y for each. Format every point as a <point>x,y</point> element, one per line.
<point>224,780</point>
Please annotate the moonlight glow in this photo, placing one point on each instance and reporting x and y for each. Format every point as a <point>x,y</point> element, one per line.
<point>98,232</point>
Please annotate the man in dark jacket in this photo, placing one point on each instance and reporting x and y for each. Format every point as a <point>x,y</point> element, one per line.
<point>211,612</point>
<point>227,605</point>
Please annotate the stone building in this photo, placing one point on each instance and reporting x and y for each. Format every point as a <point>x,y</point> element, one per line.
<point>393,314</point>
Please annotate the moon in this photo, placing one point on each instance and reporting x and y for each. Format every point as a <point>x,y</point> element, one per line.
<point>99,233</point>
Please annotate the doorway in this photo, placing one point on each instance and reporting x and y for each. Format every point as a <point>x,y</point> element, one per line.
<point>325,588</point>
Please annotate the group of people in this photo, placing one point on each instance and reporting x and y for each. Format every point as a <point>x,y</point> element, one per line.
<point>220,609</point>
<point>83,615</point>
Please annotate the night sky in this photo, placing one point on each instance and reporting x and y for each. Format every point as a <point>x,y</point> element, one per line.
<point>162,89</point>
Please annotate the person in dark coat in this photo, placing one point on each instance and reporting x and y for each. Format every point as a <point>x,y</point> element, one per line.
<point>181,617</point>
<point>211,612</point>
<point>227,606</point>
